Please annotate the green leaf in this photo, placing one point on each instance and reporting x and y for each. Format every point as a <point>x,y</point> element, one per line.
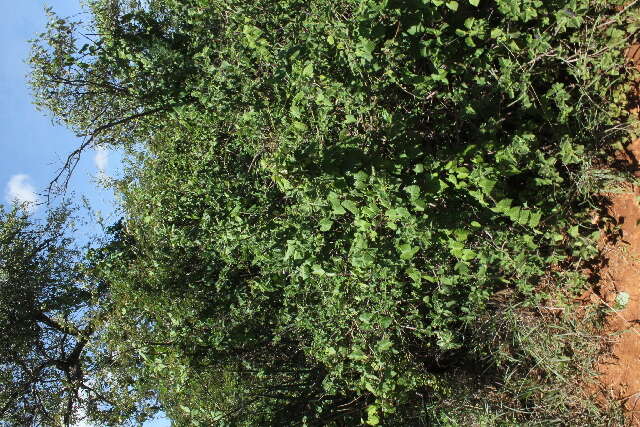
<point>283,183</point>
<point>468,255</point>
<point>325,224</point>
<point>496,32</point>
<point>519,215</point>
<point>299,126</point>
<point>453,5</point>
<point>487,185</point>
<point>363,259</point>
<point>372,415</point>
<point>385,322</point>
<point>357,354</point>
<point>365,49</point>
<point>573,231</point>
<point>384,344</point>
<point>398,213</point>
<point>350,118</point>
<point>361,176</point>
<point>350,206</point>
<point>413,190</point>
<point>366,317</point>
<point>461,235</point>
<point>474,2</point>
<point>317,269</point>
<point>419,205</point>
<point>415,29</point>
<point>415,275</point>
<point>307,71</point>
<point>291,249</point>
<point>502,206</point>
<point>335,204</point>
<point>534,219</point>
<point>407,251</point>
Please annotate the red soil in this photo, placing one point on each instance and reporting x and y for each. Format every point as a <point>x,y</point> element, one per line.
<point>619,370</point>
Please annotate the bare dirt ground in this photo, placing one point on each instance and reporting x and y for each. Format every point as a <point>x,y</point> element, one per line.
<point>619,369</point>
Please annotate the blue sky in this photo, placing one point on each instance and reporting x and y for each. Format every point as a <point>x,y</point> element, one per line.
<point>31,148</point>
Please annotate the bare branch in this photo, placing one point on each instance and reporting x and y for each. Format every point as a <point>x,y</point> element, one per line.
<point>66,171</point>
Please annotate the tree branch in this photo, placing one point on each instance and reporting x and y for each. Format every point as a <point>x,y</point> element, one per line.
<point>74,157</point>
<point>67,329</point>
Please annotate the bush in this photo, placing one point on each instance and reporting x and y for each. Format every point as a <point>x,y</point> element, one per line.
<point>338,189</point>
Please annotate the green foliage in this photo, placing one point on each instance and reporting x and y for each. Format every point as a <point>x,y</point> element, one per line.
<point>54,370</point>
<point>37,296</point>
<point>335,190</point>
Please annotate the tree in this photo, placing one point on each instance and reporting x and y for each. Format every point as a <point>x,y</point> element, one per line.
<point>43,342</point>
<point>52,372</point>
<point>110,86</point>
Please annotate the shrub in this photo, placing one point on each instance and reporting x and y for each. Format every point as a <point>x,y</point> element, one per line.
<point>338,188</point>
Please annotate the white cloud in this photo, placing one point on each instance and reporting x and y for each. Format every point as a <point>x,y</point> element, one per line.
<point>101,160</point>
<point>20,190</point>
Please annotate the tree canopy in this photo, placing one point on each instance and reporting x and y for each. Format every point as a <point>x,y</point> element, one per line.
<point>54,369</point>
<point>40,356</point>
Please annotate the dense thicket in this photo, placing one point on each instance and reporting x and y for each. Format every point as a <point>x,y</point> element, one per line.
<point>323,196</point>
